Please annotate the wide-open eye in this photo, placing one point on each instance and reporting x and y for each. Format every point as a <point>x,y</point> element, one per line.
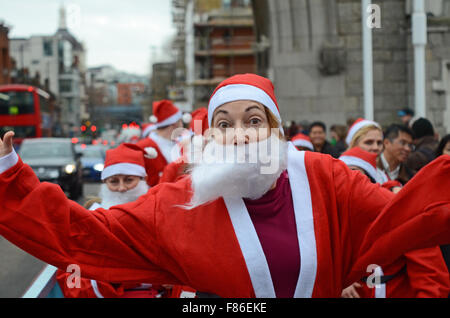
<point>223,124</point>
<point>255,121</point>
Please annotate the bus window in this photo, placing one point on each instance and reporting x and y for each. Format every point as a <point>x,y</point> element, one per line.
<point>19,131</point>
<point>16,103</point>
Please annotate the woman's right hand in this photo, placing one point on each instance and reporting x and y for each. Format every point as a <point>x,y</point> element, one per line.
<point>6,145</point>
<point>351,292</point>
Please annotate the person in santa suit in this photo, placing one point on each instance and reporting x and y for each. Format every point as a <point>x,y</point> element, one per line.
<point>302,142</point>
<point>124,181</point>
<point>167,118</point>
<point>288,224</point>
<point>197,128</point>
<point>419,273</point>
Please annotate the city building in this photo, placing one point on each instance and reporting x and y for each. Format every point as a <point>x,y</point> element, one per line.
<point>5,63</point>
<point>215,39</point>
<point>57,62</point>
<point>116,97</point>
<point>312,51</point>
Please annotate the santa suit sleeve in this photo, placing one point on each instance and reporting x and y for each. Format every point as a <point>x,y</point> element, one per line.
<point>118,245</point>
<point>418,217</point>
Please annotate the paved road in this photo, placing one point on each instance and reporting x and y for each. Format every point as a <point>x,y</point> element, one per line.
<point>18,268</point>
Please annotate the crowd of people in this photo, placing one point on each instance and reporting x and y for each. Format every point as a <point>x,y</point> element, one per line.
<point>165,225</point>
<point>390,157</point>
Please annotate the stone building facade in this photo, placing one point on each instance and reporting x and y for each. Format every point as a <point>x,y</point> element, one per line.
<point>315,59</point>
<point>5,64</point>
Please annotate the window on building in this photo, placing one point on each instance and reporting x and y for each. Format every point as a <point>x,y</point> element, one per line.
<point>65,86</point>
<point>48,48</point>
<point>446,8</point>
<point>226,4</point>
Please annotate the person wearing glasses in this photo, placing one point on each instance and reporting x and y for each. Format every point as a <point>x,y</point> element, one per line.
<point>398,144</point>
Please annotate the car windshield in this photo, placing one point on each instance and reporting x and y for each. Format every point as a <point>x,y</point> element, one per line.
<point>45,150</point>
<point>92,153</point>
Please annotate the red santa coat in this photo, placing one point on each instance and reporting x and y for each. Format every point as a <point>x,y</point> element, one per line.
<point>173,171</point>
<point>90,288</point>
<point>214,248</point>
<point>417,274</point>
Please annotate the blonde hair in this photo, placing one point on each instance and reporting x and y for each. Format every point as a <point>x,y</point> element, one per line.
<point>361,133</point>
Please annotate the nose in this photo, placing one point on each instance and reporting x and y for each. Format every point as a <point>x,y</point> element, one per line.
<point>122,187</point>
<point>240,137</point>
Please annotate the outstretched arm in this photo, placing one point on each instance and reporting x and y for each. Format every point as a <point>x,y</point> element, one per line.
<point>117,245</point>
<point>418,217</point>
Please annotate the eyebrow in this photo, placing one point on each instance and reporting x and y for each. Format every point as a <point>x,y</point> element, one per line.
<point>252,107</point>
<point>222,111</point>
<point>247,110</point>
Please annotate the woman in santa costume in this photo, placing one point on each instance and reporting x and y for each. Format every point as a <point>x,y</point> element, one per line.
<point>368,135</point>
<point>291,224</point>
<point>166,119</point>
<point>419,273</point>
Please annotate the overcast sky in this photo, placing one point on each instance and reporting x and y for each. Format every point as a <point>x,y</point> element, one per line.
<point>116,32</point>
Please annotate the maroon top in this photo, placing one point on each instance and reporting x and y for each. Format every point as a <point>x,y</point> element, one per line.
<point>274,220</point>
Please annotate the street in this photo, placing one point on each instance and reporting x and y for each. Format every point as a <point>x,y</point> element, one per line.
<point>18,268</point>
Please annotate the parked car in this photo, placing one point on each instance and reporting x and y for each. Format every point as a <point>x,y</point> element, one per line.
<point>92,160</point>
<point>55,160</point>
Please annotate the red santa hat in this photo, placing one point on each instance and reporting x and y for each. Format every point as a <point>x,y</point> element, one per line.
<point>362,159</point>
<point>357,125</point>
<point>301,140</point>
<point>200,114</point>
<point>245,87</point>
<point>165,113</point>
<point>127,159</point>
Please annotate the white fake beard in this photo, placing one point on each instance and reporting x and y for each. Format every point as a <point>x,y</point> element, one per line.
<point>249,173</point>
<point>111,198</point>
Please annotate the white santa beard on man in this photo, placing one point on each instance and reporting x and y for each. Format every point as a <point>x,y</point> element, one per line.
<point>245,171</point>
<point>111,198</point>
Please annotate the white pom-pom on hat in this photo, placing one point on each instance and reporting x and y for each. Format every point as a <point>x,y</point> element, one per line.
<point>150,153</point>
<point>153,119</point>
<point>187,117</point>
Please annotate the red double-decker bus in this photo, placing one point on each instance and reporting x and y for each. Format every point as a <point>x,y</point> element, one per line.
<point>24,109</point>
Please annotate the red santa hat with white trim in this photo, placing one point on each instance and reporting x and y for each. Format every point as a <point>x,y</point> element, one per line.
<point>357,125</point>
<point>362,159</point>
<point>165,113</point>
<point>126,159</point>
<point>199,123</point>
<point>245,87</point>
<point>301,140</point>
